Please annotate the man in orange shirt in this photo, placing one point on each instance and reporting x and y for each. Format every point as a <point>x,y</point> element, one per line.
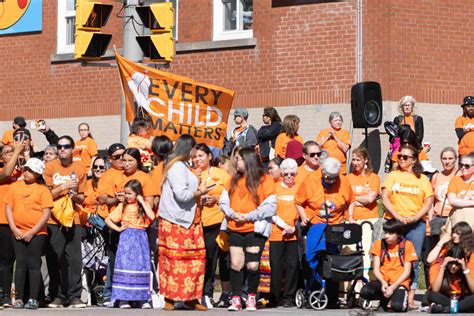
<point>311,154</point>
<point>65,178</point>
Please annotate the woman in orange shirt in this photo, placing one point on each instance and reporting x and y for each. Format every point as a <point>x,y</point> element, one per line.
<point>91,204</point>
<point>366,187</point>
<point>407,196</point>
<point>335,140</point>
<point>211,214</point>
<point>452,276</point>
<point>283,240</point>
<point>27,208</point>
<point>85,149</point>
<point>249,204</point>
<point>291,125</point>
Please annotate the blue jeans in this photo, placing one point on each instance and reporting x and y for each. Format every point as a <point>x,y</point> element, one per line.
<point>416,234</point>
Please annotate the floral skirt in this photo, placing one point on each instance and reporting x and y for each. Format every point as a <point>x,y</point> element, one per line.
<point>182,261</point>
<point>132,271</point>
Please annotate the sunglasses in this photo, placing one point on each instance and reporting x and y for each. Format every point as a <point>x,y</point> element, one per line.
<point>18,137</point>
<point>116,157</point>
<point>404,157</point>
<point>464,165</point>
<point>312,155</point>
<point>289,174</point>
<point>66,146</point>
<point>98,167</point>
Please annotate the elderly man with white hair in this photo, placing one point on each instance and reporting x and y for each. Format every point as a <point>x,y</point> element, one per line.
<point>283,240</point>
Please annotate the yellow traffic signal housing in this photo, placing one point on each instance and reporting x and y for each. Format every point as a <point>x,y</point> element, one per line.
<point>157,47</point>
<point>90,43</point>
<point>158,17</point>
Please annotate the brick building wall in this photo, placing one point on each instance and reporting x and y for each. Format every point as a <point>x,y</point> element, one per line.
<point>304,61</point>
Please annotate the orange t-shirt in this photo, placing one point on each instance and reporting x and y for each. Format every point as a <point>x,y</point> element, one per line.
<point>108,183</point>
<point>91,204</point>
<point>157,178</point>
<point>143,178</point>
<point>466,144</point>
<point>455,284</point>
<point>303,172</point>
<point>408,120</point>
<point>363,185</point>
<point>7,138</point>
<point>4,186</point>
<point>84,150</point>
<point>331,145</point>
<point>391,268</point>
<point>463,190</point>
<point>212,215</point>
<point>313,196</point>
<point>464,122</point>
<point>28,202</point>
<point>407,192</point>
<point>282,141</point>
<point>440,184</point>
<point>129,215</point>
<point>116,180</point>
<point>56,174</point>
<point>241,201</point>
<point>286,210</point>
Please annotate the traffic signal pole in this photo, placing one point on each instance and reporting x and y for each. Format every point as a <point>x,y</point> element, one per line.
<point>132,51</point>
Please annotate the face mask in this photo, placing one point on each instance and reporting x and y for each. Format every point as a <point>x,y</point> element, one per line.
<point>325,184</point>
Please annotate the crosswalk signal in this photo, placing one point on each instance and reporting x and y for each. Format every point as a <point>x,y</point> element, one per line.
<point>159,46</point>
<point>90,43</point>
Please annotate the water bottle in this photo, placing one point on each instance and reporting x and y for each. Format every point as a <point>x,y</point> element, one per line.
<point>454,303</point>
<point>73,177</point>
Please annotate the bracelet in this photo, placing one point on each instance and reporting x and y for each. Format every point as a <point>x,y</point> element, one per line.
<point>467,271</point>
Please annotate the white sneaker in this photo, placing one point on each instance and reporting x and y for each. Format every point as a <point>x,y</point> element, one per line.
<point>124,305</point>
<point>235,305</point>
<point>146,306</point>
<point>251,304</point>
<point>206,301</point>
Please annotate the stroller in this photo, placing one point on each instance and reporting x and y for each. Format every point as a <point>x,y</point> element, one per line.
<point>332,265</point>
<point>95,263</point>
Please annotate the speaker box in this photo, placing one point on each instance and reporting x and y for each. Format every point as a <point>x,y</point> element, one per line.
<point>366,104</point>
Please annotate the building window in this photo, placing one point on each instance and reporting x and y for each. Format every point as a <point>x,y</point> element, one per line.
<point>233,19</point>
<point>66,26</point>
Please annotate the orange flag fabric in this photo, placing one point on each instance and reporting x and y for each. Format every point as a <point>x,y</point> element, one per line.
<point>175,104</point>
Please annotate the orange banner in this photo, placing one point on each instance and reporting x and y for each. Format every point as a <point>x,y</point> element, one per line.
<point>176,105</point>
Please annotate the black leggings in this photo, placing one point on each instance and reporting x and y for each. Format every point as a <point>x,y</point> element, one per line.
<point>466,304</point>
<point>7,258</point>
<point>212,250</point>
<point>283,257</point>
<point>28,261</point>
<point>373,291</point>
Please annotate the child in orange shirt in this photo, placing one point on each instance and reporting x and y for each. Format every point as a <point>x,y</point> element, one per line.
<point>392,259</point>
<point>132,269</point>
<point>27,208</point>
<point>140,138</point>
<point>451,276</point>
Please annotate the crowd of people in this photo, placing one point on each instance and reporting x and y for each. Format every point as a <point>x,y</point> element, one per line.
<point>171,213</point>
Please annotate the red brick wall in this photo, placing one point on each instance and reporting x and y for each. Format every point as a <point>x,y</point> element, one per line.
<point>305,54</point>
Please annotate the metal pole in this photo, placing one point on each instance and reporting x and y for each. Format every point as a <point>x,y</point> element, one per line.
<point>132,51</point>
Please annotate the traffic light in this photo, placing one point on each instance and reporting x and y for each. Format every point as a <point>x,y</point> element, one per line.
<point>90,43</point>
<point>160,44</point>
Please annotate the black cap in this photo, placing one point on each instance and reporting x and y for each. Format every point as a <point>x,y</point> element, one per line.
<point>22,130</point>
<point>469,100</point>
<point>114,147</point>
<point>20,121</point>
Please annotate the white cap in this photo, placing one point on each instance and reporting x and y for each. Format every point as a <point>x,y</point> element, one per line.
<point>36,165</point>
<point>427,167</point>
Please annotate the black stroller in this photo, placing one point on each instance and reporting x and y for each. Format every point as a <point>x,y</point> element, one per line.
<point>332,265</point>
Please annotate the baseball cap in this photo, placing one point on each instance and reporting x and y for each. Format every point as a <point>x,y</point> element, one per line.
<point>20,121</point>
<point>34,164</point>
<point>114,147</point>
<point>469,100</point>
<point>241,112</point>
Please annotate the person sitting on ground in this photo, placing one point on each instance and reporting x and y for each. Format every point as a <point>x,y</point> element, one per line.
<point>393,257</point>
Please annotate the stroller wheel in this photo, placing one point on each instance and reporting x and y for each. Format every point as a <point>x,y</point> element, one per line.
<point>299,298</point>
<point>98,293</point>
<point>318,300</point>
<point>365,304</point>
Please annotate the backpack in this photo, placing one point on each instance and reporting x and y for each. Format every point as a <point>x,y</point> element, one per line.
<point>401,251</point>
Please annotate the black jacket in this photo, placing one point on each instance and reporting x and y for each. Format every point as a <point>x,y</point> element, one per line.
<point>267,135</point>
<point>419,129</point>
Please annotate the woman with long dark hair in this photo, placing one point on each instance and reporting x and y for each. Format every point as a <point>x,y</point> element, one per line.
<point>249,205</point>
<point>268,133</point>
<point>408,196</point>
<point>452,276</point>
<point>181,243</point>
